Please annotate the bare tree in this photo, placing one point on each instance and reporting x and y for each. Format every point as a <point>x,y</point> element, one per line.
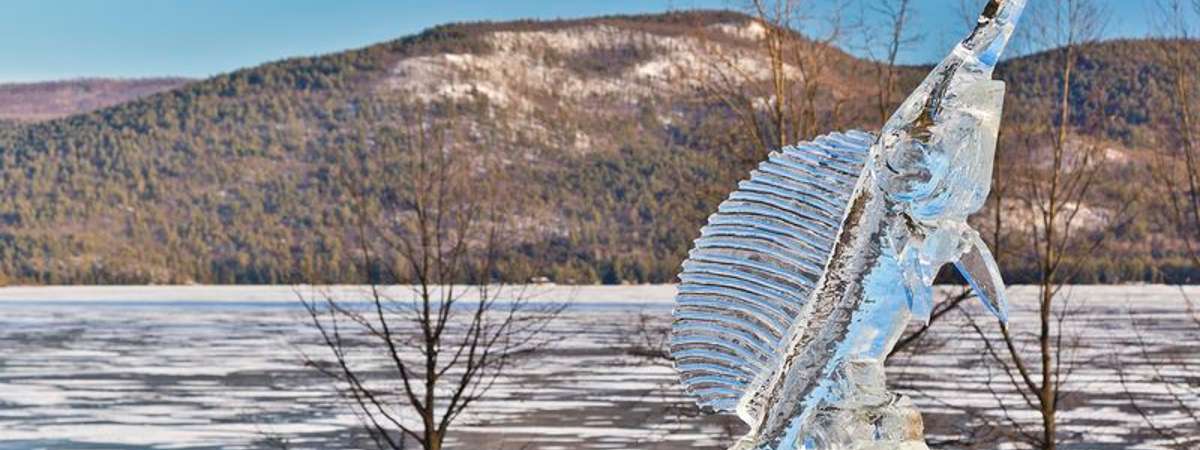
<point>885,44</point>
<point>1176,169</point>
<point>1055,189</point>
<point>1177,165</point>
<point>779,103</point>
<point>429,210</point>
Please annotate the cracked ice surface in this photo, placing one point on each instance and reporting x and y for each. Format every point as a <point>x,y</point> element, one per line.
<point>103,373</point>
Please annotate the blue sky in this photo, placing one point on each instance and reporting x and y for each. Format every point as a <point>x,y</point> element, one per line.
<point>57,39</point>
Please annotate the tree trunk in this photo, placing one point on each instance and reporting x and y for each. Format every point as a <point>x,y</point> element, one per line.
<point>1049,429</point>
<point>433,441</point>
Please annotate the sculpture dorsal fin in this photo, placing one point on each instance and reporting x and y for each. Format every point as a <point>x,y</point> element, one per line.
<point>756,263</point>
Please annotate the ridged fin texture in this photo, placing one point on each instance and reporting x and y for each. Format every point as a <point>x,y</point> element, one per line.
<point>756,263</point>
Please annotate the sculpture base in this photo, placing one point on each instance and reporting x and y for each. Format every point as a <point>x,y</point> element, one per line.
<point>895,425</point>
<point>868,417</point>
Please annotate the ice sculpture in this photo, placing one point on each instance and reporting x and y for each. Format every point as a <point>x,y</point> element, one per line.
<point>806,276</point>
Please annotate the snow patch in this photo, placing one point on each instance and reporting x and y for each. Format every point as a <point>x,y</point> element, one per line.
<point>749,30</point>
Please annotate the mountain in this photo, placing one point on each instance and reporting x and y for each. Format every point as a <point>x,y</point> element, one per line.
<point>34,102</point>
<point>621,150</point>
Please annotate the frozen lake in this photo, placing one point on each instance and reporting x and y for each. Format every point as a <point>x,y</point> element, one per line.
<point>221,367</point>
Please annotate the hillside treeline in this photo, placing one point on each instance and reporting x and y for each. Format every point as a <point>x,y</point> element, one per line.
<point>233,179</point>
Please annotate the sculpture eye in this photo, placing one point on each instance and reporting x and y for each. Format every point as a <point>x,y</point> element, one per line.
<point>906,169</point>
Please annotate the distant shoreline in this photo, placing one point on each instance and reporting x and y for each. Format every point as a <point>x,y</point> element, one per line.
<point>623,294</point>
<point>647,293</point>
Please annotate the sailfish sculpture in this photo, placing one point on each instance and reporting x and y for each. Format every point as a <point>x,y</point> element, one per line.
<point>806,276</point>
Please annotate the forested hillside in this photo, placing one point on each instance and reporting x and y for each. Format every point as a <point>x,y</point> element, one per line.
<point>620,147</point>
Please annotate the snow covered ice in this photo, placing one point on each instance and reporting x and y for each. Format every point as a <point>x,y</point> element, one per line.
<point>201,367</point>
<point>809,272</point>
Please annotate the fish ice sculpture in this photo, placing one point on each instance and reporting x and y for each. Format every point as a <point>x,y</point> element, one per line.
<point>807,275</point>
